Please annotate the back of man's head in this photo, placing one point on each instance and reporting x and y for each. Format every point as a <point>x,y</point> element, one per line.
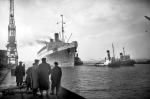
<point>36,61</point>
<point>43,59</point>
<point>56,63</point>
<point>20,63</point>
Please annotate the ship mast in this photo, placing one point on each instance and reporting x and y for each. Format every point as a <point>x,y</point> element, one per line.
<point>113,50</point>
<point>62,28</point>
<point>12,45</point>
<point>123,51</point>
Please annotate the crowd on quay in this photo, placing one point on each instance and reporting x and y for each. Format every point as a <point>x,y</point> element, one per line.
<point>37,77</point>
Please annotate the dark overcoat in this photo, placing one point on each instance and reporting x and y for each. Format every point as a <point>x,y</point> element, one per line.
<point>19,72</point>
<point>44,70</point>
<point>56,75</point>
<point>29,76</point>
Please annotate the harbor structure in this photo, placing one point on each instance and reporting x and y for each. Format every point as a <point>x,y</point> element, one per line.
<point>12,53</point>
<point>3,59</point>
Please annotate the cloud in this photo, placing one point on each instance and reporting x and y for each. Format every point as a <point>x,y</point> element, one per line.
<point>95,23</point>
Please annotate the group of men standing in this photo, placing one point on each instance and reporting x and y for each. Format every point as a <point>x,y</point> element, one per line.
<point>38,77</point>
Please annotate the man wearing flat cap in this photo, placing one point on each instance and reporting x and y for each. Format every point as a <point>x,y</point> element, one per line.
<point>44,71</point>
<point>19,72</point>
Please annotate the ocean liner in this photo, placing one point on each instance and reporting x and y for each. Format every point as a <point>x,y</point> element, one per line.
<point>58,50</point>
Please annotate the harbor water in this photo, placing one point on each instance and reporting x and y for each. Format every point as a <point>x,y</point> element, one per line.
<point>132,82</point>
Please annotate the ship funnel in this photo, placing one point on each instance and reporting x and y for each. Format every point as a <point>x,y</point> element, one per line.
<point>121,56</point>
<point>108,54</point>
<point>51,40</point>
<point>56,37</point>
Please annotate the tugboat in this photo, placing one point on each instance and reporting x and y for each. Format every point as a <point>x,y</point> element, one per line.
<point>77,60</point>
<point>125,59</point>
<point>113,61</point>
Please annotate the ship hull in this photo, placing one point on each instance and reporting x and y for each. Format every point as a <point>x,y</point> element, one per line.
<point>114,64</point>
<point>59,51</point>
<point>65,58</point>
<point>127,63</point>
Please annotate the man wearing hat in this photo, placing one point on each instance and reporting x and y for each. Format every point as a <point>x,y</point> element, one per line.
<point>34,76</point>
<point>19,72</point>
<point>44,71</point>
<point>56,78</point>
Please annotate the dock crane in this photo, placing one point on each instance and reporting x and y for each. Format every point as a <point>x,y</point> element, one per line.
<point>148,18</point>
<point>12,53</point>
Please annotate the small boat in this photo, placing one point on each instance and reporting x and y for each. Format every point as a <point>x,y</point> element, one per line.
<point>77,60</point>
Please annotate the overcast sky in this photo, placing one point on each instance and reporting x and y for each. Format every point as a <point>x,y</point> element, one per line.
<point>95,24</point>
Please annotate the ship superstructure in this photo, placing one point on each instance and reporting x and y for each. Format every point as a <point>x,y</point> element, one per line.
<point>125,59</point>
<point>58,50</point>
